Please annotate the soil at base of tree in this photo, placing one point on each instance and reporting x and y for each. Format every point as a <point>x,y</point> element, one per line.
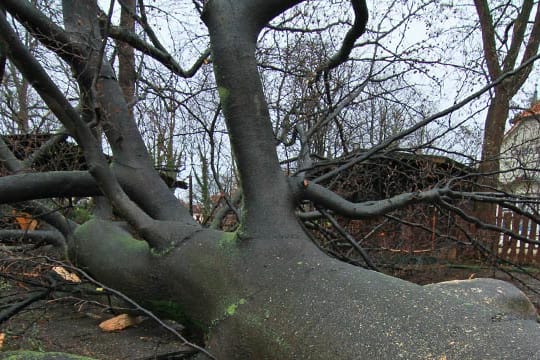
<point>68,322</point>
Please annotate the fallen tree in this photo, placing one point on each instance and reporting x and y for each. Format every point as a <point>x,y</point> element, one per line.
<point>265,291</point>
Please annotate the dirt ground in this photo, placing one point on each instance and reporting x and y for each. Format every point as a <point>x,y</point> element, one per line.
<point>67,319</point>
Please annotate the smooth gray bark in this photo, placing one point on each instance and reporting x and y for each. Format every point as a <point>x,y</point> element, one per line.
<point>29,186</point>
<point>265,292</point>
<point>293,302</point>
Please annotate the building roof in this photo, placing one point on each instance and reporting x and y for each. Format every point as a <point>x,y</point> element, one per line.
<point>532,113</point>
<point>534,110</point>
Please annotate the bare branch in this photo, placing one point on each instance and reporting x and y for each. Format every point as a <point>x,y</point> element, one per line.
<point>15,308</point>
<point>364,210</point>
<point>163,57</point>
<point>483,225</point>
<point>488,38</point>
<point>358,28</point>
<point>427,120</point>
<point>29,186</point>
<point>50,237</point>
<point>518,34</point>
<point>50,34</point>
<point>97,164</point>
<point>350,239</point>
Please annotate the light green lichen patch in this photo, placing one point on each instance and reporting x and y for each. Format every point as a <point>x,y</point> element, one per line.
<point>227,239</point>
<point>231,309</point>
<point>113,233</point>
<point>223,94</point>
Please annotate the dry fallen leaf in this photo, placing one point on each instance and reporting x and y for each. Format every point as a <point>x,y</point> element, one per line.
<point>26,221</point>
<point>120,322</point>
<point>2,337</point>
<point>66,275</point>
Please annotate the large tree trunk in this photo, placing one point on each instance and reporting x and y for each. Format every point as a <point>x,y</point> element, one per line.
<point>265,292</point>
<point>489,166</point>
<point>497,64</point>
<point>255,301</point>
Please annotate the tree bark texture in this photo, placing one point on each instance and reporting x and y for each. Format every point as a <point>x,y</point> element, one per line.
<point>293,302</point>
<point>266,291</point>
<point>498,110</point>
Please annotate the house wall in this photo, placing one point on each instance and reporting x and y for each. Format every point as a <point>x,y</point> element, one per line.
<point>520,157</point>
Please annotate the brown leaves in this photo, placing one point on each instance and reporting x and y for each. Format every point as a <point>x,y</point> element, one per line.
<point>66,275</point>
<point>26,221</point>
<point>120,322</point>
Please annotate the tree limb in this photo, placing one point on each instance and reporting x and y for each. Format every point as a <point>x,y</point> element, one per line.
<point>135,167</point>
<point>8,159</point>
<point>531,49</point>
<point>97,164</point>
<point>359,27</point>
<point>427,120</point>
<point>53,218</point>
<point>30,186</point>
<point>132,162</point>
<point>15,308</point>
<point>364,210</point>
<point>50,34</point>
<point>518,35</point>
<point>50,237</point>
<point>350,239</point>
<point>488,38</point>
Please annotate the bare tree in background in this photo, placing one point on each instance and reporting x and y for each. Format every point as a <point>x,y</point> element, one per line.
<point>510,37</point>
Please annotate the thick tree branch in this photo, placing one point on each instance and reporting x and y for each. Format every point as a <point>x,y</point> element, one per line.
<point>36,208</point>
<point>518,35</point>
<point>41,211</point>
<point>50,34</point>
<point>259,12</point>
<point>134,167</point>
<point>8,159</point>
<point>30,186</point>
<point>359,27</point>
<point>364,210</point>
<point>132,162</point>
<point>97,164</point>
<point>531,49</point>
<point>50,237</point>
<point>488,38</point>
<point>233,36</point>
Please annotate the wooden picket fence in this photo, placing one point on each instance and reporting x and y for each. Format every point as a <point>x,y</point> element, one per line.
<point>513,249</point>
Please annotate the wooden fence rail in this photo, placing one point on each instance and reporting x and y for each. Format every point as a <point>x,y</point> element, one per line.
<point>515,250</point>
